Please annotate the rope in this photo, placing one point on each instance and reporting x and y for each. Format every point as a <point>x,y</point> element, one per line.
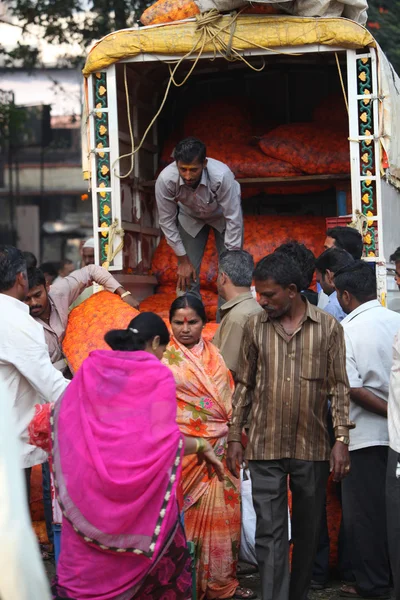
<point>211,31</point>
<point>113,231</point>
<point>131,135</point>
<point>360,223</point>
<point>342,82</point>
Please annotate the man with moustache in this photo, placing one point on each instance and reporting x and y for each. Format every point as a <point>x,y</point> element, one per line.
<point>195,194</point>
<point>50,306</point>
<point>292,357</point>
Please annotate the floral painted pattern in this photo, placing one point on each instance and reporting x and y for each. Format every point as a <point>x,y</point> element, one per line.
<point>212,508</point>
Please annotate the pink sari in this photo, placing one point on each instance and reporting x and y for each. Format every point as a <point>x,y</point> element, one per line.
<point>116,457</point>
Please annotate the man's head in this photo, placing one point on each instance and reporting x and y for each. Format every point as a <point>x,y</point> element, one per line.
<point>278,280</point>
<point>30,259</point>
<point>50,271</point>
<point>190,156</point>
<point>395,258</point>
<point>235,271</point>
<point>355,285</point>
<point>88,252</point>
<point>302,256</point>
<point>13,277</point>
<point>37,297</point>
<point>345,238</point>
<point>328,263</point>
<point>66,267</point>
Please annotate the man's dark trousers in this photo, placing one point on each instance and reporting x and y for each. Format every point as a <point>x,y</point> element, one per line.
<point>308,481</point>
<point>364,518</point>
<point>393,517</point>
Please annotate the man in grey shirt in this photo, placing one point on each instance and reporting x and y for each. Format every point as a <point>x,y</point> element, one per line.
<point>195,194</point>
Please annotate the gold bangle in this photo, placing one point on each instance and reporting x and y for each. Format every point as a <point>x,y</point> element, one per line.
<point>201,445</point>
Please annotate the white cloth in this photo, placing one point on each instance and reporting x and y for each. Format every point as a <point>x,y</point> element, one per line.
<point>369,333</point>
<point>89,243</point>
<point>215,202</point>
<point>394,398</point>
<point>22,575</point>
<point>26,371</point>
<point>350,9</point>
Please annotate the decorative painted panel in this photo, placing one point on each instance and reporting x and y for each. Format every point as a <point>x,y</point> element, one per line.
<point>103,175</point>
<point>367,128</point>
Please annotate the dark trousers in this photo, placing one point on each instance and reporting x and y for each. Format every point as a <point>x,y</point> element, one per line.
<point>48,510</point>
<point>269,486</point>
<point>364,517</point>
<point>321,566</point>
<point>195,247</point>
<point>393,517</point>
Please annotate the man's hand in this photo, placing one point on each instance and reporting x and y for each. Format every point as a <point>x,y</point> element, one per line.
<point>186,273</point>
<point>235,457</point>
<point>340,461</point>
<point>129,299</point>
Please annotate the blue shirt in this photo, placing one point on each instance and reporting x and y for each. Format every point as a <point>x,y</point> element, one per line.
<point>333,307</point>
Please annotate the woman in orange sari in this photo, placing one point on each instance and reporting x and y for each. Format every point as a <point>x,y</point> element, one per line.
<point>204,393</point>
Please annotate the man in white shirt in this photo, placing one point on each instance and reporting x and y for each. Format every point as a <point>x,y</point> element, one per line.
<point>326,266</point>
<point>369,333</point>
<point>22,574</point>
<point>393,470</point>
<point>25,367</point>
<point>345,238</point>
<point>195,194</point>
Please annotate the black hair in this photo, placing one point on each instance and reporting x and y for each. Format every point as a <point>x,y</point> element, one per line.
<point>188,301</point>
<point>64,262</point>
<point>303,257</point>
<point>31,260</point>
<point>141,330</point>
<point>281,268</point>
<point>12,262</point>
<point>51,268</point>
<point>238,265</point>
<point>36,277</point>
<point>347,238</point>
<point>190,150</point>
<point>333,259</point>
<point>358,279</point>
<point>395,257</point>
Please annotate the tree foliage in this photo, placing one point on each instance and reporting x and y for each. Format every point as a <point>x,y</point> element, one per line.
<point>384,24</point>
<point>82,21</point>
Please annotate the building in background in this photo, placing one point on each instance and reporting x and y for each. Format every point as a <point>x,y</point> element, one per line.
<point>43,195</point>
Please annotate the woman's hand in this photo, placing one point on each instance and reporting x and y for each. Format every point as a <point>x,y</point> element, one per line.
<point>212,462</point>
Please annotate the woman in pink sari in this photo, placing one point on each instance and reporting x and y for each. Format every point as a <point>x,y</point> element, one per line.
<point>116,453</point>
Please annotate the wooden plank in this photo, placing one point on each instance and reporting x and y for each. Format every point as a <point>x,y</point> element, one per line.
<point>136,228</point>
<point>126,278</point>
<point>273,180</point>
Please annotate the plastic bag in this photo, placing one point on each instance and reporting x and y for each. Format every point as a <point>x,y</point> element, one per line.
<point>247,551</point>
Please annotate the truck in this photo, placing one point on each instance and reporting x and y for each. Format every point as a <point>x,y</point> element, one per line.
<point>141,82</point>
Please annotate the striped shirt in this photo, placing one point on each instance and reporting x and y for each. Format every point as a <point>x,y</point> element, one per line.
<point>286,381</point>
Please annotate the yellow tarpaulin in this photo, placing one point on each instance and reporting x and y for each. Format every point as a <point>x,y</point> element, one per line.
<point>251,32</point>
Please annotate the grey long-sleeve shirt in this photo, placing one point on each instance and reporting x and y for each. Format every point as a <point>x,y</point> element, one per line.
<point>215,202</point>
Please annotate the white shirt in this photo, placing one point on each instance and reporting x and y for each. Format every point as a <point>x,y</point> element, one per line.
<point>215,202</point>
<point>369,333</point>
<point>394,398</point>
<point>26,371</point>
<point>22,574</point>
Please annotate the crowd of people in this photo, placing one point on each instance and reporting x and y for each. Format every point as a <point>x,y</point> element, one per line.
<point>147,440</point>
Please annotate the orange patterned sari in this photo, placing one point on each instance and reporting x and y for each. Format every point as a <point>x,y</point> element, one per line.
<point>212,509</point>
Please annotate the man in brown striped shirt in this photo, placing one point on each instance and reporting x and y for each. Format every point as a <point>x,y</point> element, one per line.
<point>292,358</point>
